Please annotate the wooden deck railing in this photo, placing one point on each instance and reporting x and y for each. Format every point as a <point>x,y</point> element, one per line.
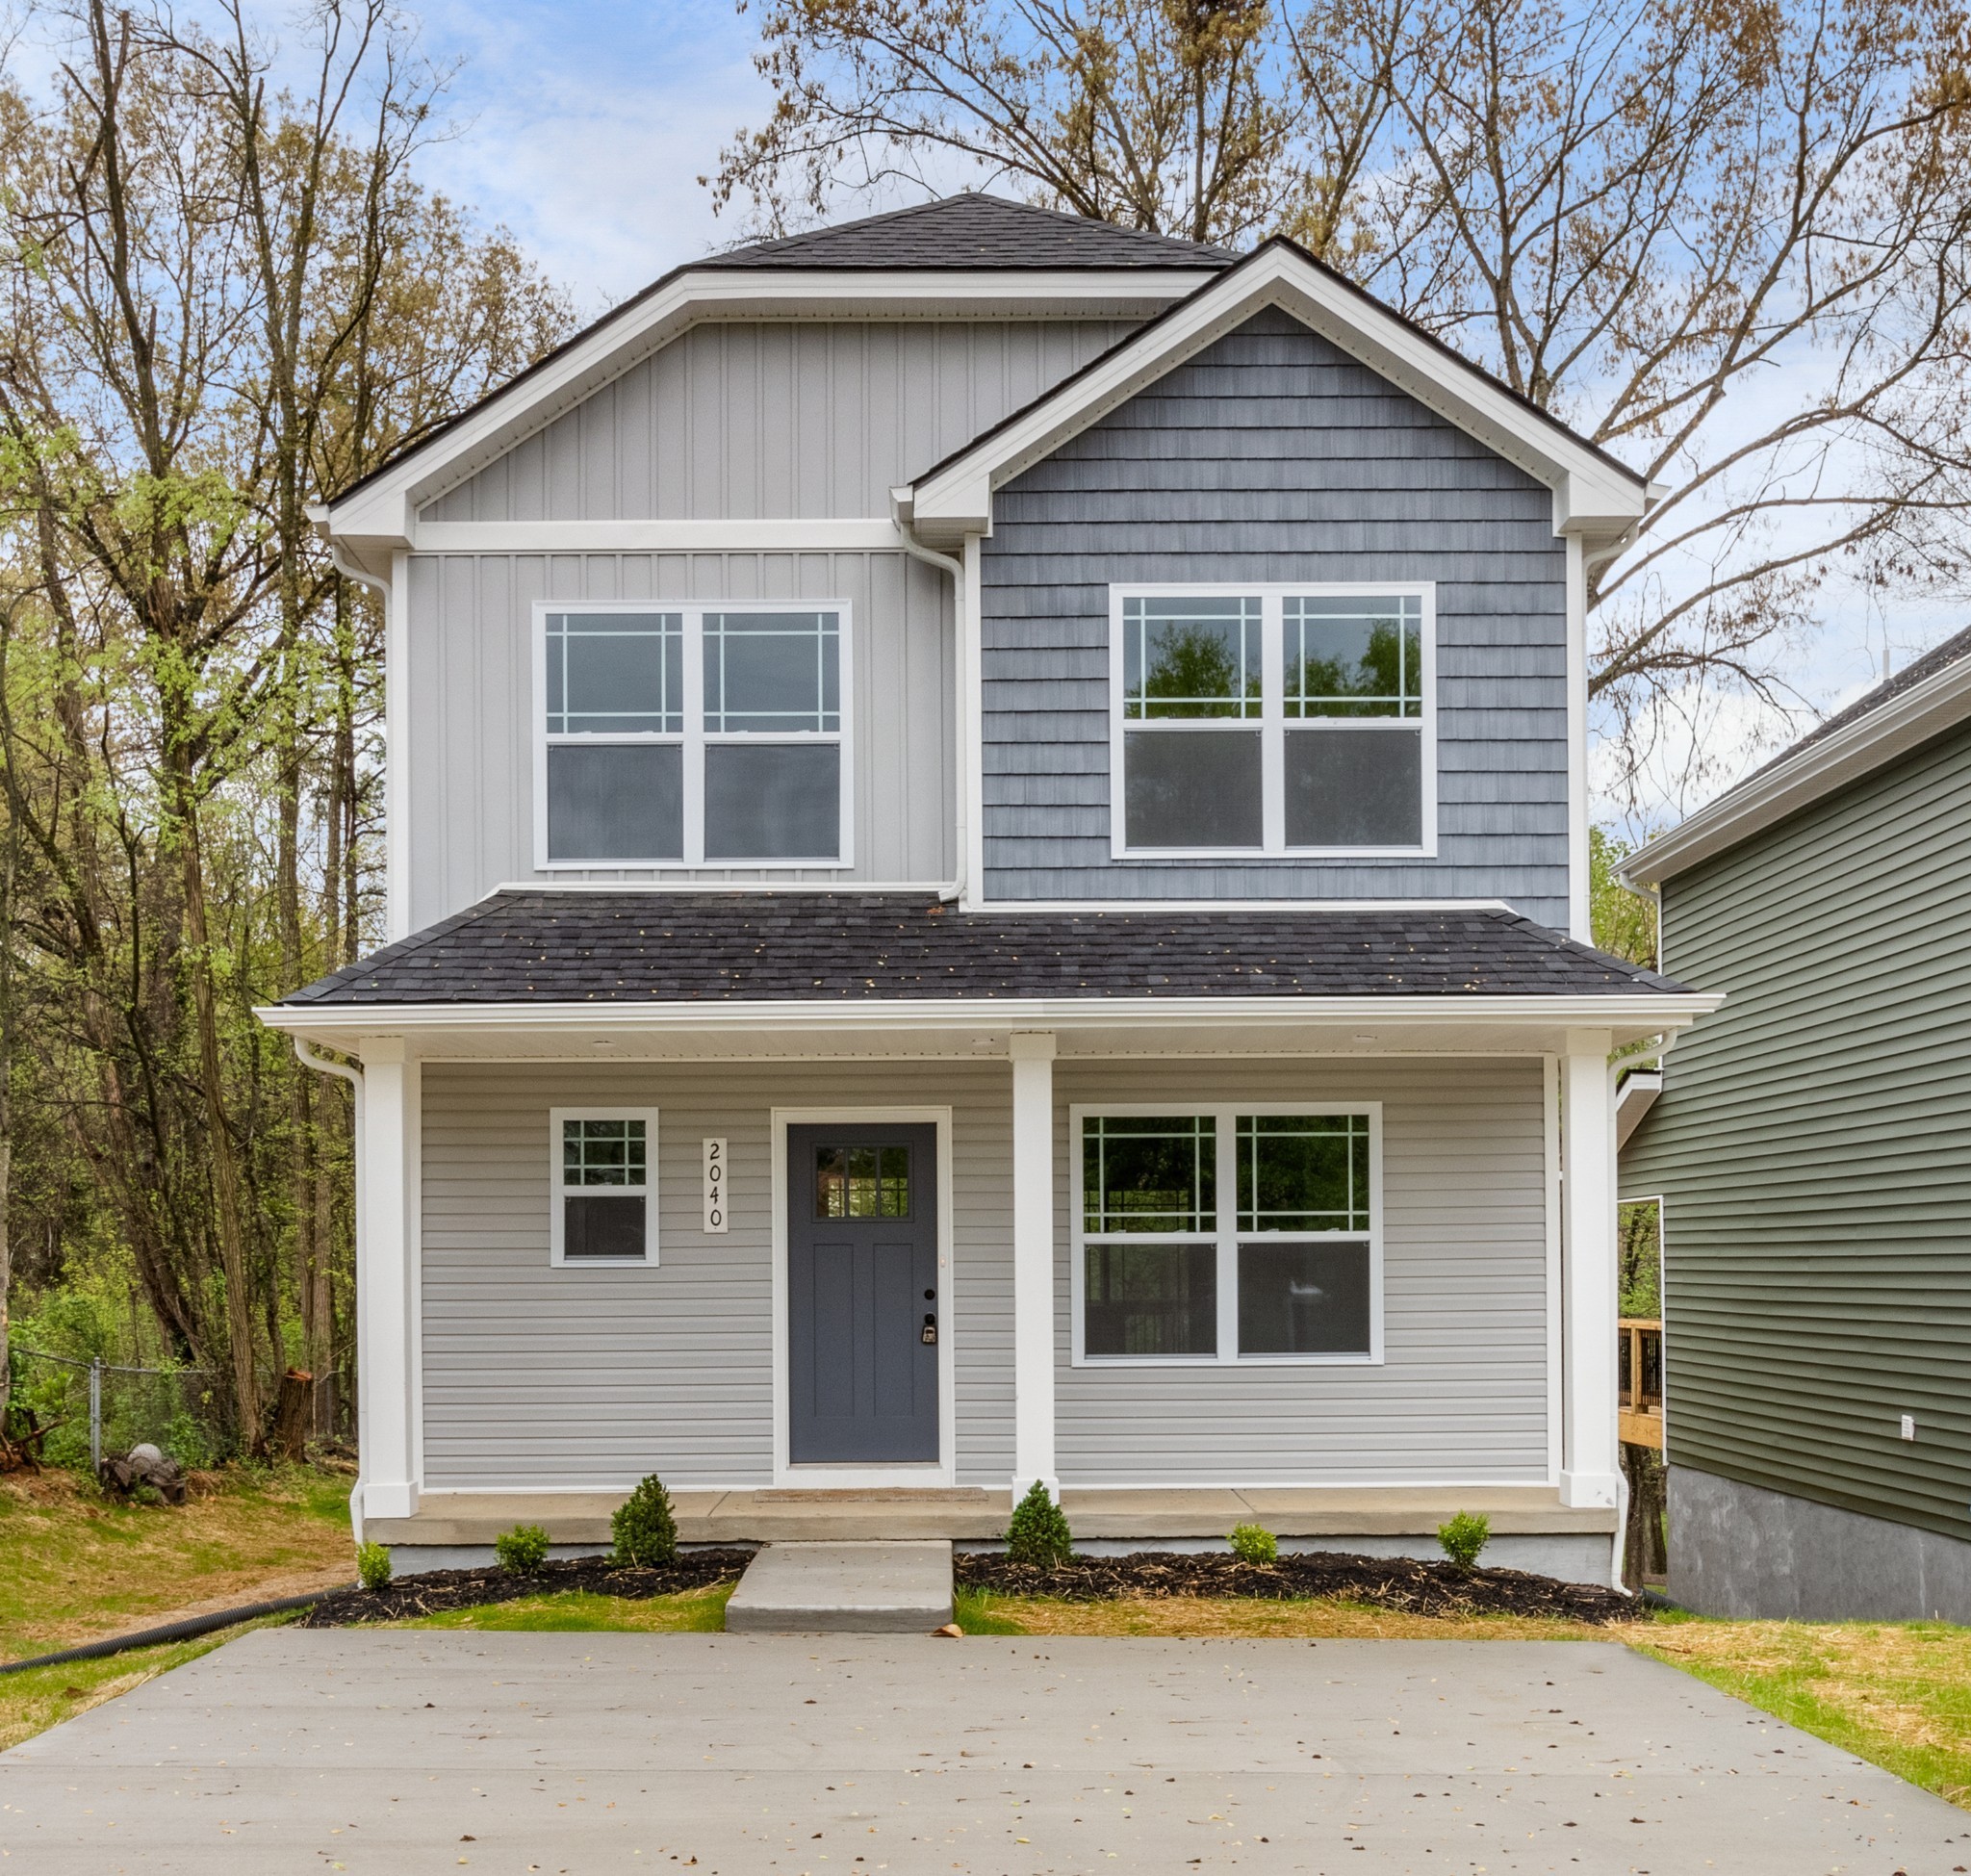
<point>1640,1368</point>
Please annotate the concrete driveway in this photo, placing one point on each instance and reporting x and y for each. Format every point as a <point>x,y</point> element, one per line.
<point>390,1753</point>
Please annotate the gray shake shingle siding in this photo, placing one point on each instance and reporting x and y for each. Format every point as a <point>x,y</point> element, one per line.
<point>1273,456</point>
<point>638,948</point>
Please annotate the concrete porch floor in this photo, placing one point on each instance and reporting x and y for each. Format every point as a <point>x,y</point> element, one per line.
<point>973,1513</point>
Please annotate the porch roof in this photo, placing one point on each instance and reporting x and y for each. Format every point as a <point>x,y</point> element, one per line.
<point>601,947</point>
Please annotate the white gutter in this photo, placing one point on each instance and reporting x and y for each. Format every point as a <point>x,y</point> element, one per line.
<point>898,509</point>
<point>308,1057</point>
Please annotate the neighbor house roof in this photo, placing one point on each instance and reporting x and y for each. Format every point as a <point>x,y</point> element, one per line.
<point>620,948</point>
<point>974,231</point>
<point>1927,698</point>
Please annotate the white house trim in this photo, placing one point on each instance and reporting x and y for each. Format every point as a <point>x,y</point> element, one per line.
<point>1033,1262</point>
<point>875,535</point>
<point>1591,1471</point>
<point>861,1477</point>
<point>1797,780</point>
<point>388,1285</point>
<point>1633,1099</point>
<point>382,512</point>
<point>1594,497</point>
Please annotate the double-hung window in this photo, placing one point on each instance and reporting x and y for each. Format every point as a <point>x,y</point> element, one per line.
<point>693,736</point>
<point>602,1176</point>
<point>1248,1233</point>
<point>1272,720</point>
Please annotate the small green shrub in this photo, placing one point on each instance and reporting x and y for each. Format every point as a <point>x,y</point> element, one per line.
<point>644,1526</point>
<point>1254,1544</point>
<point>1464,1536</point>
<point>372,1565</point>
<point>1038,1533</point>
<point>523,1550</point>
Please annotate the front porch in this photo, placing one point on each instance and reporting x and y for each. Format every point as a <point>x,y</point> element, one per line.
<point>1530,1525</point>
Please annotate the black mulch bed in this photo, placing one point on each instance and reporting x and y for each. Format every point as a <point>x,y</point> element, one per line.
<point>1391,1583</point>
<point>437,1591</point>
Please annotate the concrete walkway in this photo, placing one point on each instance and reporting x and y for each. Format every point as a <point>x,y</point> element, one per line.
<point>396,1753</point>
<point>868,1589</point>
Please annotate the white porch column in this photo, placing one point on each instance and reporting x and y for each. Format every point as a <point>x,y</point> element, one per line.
<point>387,1381</point>
<point>1033,1261</point>
<point>1590,1456</point>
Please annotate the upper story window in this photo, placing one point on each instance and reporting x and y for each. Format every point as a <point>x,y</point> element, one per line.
<point>693,735</point>
<point>1272,720</point>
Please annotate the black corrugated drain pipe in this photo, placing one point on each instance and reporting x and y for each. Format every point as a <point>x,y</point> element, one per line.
<point>191,1627</point>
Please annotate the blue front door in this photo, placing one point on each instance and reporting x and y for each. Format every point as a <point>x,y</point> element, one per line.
<point>863,1303</point>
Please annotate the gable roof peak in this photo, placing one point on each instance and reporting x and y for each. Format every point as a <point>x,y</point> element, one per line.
<point>973,230</point>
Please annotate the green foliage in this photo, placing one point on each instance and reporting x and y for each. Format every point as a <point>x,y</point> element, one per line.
<point>1191,669</point>
<point>1254,1544</point>
<point>1638,1226</point>
<point>521,1551</point>
<point>372,1565</point>
<point>1624,923</point>
<point>644,1526</point>
<point>1464,1536</point>
<point>1038,1533</point>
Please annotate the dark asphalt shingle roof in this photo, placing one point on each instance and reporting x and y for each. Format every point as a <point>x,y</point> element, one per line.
<point>711,947</point>
<point>974,231</point>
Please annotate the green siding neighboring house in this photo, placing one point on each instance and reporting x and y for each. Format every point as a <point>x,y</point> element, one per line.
<point>1811,1148</point>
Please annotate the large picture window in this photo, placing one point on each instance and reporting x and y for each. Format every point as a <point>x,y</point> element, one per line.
<point>1272,720</point>
<point>1227,1234</point>
<point>693,735</point>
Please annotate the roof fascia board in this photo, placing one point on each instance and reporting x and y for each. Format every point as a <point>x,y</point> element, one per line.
<point>1592,497</point>
<point>385,509</point>
<point>1929,710</point>
<point>1633,1099</point>
<point>1660,1009</point>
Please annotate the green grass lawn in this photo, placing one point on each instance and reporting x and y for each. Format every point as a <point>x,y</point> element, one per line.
<point>695,1612</point>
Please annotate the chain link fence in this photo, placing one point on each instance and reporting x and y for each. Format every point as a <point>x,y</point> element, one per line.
<point>70,1413</point>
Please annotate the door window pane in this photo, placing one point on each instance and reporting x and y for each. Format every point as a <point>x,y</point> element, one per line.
<point>1190,656</point>
<point>1149,1175</point>
<point>1193,789</point>
<point>1354,656</point>
<point>1303,1300</point>
<point>619,673</point>
<point>772,671</point>
<point>1304,1173</point>
<point>615,801</point>
<point>862,1181</point>
<point>602,1152</point>
<point>1354,787</point>
<point>773,801</point>
<point>1150,1299</point>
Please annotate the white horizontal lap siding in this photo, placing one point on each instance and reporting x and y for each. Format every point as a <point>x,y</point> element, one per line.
<point>744,420</point>
<point>1461,1390</point>
<point>469,626</point>
<point>538,1377</point>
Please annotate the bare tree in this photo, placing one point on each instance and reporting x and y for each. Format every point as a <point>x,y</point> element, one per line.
<point>1732,243</point>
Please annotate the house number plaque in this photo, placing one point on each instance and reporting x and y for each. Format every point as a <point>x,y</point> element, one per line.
<point>715,1184</point>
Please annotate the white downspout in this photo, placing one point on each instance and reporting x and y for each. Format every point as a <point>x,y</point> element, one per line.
<point>309,1058</point>
<point>960,689</point>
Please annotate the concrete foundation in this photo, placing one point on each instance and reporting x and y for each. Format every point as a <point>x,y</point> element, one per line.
<point>1742,1551</point>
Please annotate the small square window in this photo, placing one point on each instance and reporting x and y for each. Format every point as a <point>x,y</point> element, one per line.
<point>1304,1173</point>
<point>1151,1300</point>
<point>1191,658</point>
<point>862,1182</point>
<point>604,1189</point>
<point>1352,658</point>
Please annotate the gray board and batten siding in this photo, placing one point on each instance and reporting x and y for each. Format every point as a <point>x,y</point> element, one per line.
<point>746,421</point>
<point>469,670</point>
<point>1812,1149</point>
<point>1274,456</point>
<point>543,1378</point>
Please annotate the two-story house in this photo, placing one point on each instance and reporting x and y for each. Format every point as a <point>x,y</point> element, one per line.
<point>988,882</point>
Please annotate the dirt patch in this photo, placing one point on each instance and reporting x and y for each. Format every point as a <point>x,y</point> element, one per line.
<point>434,1592</point>
<point>1391,1583</point>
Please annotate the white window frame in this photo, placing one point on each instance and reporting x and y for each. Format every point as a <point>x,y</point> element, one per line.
<point>557,1225</point>
<point>1226,1236</point>
<point>694,738</point>
<point>1271,722</point>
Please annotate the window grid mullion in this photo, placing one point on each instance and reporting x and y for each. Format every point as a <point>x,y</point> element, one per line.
<point>1272,745</point>
<point>693,736</point>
